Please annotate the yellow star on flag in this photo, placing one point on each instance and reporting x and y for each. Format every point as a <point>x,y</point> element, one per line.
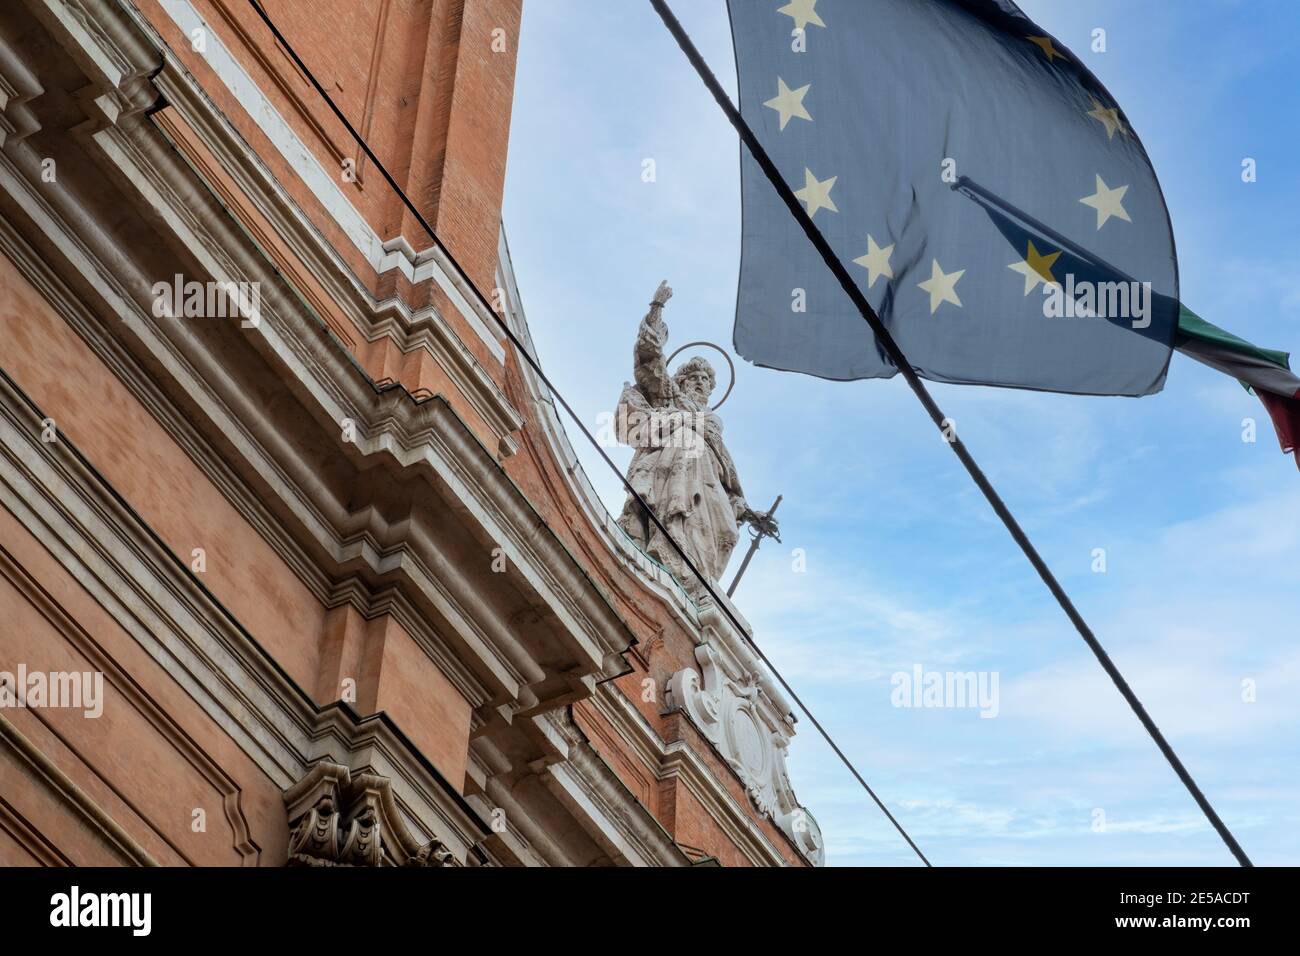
<point>1108,118</point>
<point>788,102</point>
<point>803,12</point>
<point>1036,268</point>
<point>942,286</point>
<point>816,194</point>
<point>1045,44</point>
<point>1108,202</point>
<point>876,261</point>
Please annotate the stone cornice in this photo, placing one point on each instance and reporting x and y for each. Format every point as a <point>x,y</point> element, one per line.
<point>568,778</point>
<point>394,434</point>
<point>592,788</point>
<point>349,590</point>
<point>382,254</point>
<point>116,58</point>
<point>58,496</point>
<point>373,319</point>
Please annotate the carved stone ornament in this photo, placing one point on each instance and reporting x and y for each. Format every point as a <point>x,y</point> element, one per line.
<point>681,467</point>
<point>727,702</point>
<point>338,819</point>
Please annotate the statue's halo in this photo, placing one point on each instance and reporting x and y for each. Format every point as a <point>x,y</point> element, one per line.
<point>731,365</point>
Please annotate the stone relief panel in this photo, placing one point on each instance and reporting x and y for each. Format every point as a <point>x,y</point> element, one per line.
<point>727,702</point>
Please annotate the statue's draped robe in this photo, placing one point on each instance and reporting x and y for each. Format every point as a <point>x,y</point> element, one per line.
<point>680,468</point>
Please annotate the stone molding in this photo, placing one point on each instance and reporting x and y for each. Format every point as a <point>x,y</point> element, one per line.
<point>566,777</point>
<point>383,255</point>
<point>129,693</point>
<point>58,788</point>
<point>410,329</point>
<point>53,492</point>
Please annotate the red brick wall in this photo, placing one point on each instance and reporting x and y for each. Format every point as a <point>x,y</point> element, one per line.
<point>429,84</point>
<point>468,193</point>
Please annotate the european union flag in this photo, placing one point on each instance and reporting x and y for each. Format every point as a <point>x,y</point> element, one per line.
<point>988,194</point>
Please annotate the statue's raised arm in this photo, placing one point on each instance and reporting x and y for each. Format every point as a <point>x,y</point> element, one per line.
<point>648,365</point>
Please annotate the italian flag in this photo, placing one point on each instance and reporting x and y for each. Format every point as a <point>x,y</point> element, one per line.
<point>1265,372</point>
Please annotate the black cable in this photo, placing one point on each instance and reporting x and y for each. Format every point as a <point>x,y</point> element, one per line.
<point>519,346</point>
<point>918,387</point>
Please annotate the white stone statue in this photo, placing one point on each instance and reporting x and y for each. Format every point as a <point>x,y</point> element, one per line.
<point>680,468</point>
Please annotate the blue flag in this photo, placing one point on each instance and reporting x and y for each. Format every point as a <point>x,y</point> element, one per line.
<point>985,191</point>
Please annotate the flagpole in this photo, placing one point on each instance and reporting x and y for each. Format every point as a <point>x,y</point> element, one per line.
<point>895,353</point>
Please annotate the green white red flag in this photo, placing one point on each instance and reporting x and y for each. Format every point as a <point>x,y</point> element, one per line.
<point>1266,372</point>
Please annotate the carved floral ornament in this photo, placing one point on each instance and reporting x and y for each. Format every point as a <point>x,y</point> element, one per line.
<point>338,819</point>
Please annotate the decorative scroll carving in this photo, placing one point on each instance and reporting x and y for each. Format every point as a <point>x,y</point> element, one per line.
<point>337,819</point>
<point>725,701</point>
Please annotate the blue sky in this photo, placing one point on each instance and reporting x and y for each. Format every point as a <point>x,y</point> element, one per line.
<point>906,563</point>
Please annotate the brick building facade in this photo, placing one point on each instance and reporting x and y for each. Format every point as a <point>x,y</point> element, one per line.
<point>320,532</point>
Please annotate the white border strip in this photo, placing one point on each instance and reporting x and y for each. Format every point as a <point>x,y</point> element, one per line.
<point>382,255</point>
